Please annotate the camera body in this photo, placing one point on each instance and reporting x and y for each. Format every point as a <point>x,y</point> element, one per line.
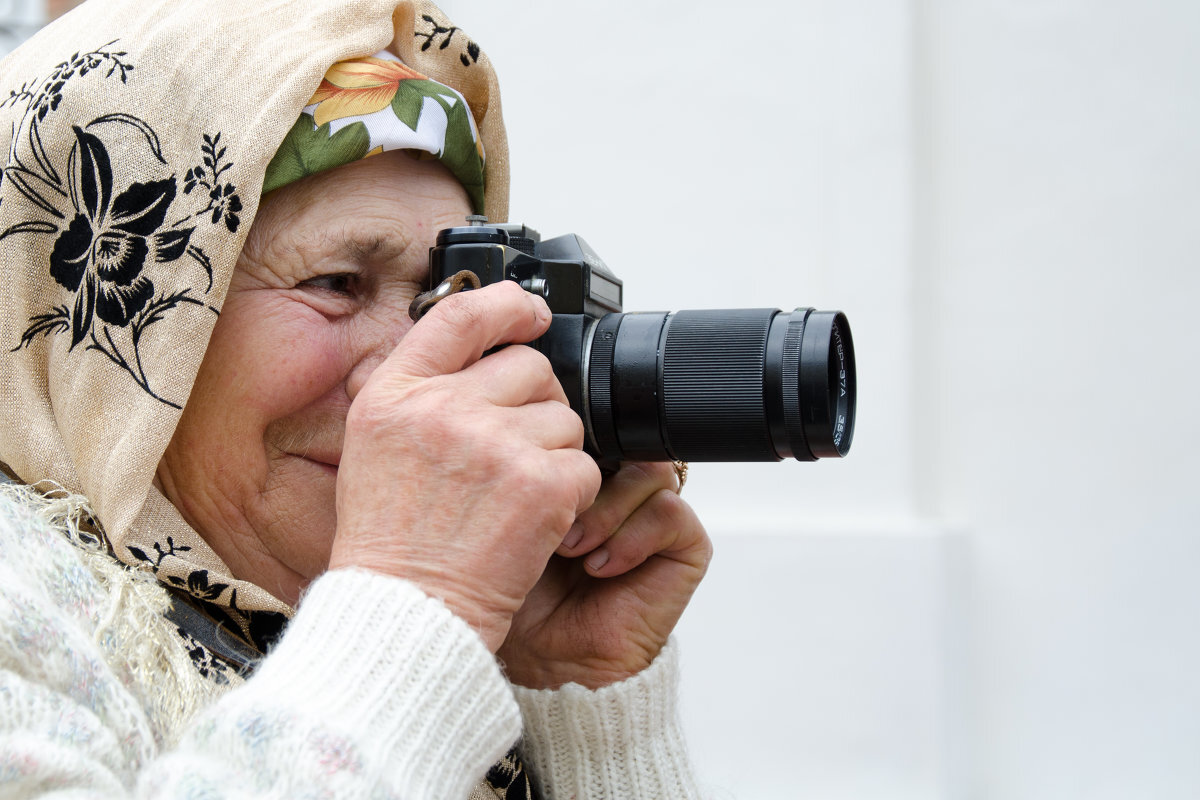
<point>565,271</point>
<point>698,385</point>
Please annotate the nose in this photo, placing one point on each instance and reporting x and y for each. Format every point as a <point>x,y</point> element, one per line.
<point>376,337</point>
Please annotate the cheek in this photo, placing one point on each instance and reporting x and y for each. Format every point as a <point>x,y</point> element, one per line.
<point>273,357</point>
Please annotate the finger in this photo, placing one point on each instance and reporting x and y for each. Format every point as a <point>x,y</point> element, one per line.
<point>513,376</point>
<point>563,477</point>
<point>461,328</point>
<point>581,468</point>
<point>619,497</point>
<point>548,424</point>
<point>664,527</point>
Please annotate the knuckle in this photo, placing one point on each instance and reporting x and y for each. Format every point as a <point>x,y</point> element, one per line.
<point>578,433</point>
<point>460,311</point>
<point>538,487</point>
<point>529,477</point>
<point>442,424</point>
<point>674,512</point>
<point>508,289</point>
<point>655,473</point>
<point>565,422</point>
<point>529,360</point>
<point>592,479</point>
<point>703,552</point>
<point>670,508</point>
<point>542,381</point>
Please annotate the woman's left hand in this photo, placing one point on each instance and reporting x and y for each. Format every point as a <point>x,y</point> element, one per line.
<point>611,596</point>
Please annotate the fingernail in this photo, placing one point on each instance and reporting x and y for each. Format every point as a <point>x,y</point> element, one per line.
<point>573,537</point>
<point>597,559</point>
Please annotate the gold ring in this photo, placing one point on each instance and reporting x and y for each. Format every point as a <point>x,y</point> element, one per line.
<point>681,468</point>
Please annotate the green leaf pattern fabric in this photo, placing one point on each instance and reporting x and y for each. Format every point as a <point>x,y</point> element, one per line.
<point>370,105</point>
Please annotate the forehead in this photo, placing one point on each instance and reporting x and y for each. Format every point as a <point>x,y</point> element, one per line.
<point>373,209</point>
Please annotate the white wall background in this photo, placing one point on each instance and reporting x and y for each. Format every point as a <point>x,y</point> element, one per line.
<point>995,595</point>
<point>19,19</point>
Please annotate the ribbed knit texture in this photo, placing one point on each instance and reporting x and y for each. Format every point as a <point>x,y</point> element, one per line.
<point>620,741</point>
<point>375,690</point>
<point>372,677</point>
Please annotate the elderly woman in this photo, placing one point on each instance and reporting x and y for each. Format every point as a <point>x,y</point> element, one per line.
<point>263,535</point>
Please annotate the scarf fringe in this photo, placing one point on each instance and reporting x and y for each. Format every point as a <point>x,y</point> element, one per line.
<point>142,647</point>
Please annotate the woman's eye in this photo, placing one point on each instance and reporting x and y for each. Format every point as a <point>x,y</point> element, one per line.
<point>341,283</point>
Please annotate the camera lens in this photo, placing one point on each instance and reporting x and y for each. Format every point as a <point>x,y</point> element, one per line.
<point>720,385</point>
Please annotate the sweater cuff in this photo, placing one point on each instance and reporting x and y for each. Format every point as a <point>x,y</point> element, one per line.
<point>392,666</point>
<point>619,741</point>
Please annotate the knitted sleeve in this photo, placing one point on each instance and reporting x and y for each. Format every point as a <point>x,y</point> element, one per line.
<point>620,741</point>
<point>374,690</point>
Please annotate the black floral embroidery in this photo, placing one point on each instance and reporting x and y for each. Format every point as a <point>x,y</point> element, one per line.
<point>468,56</point>
<point>203,659</point>
<point>111,232</point>
<point>48,92</point>
<point>260,628</point>
<point>196,583</point>
<point>223,201</point>
<point>198,586</point>
<point>160,553</point>
<point>102,253</point>
<point>509,779</point>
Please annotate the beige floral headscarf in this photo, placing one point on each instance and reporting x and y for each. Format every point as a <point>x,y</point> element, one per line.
<point>139,135</point>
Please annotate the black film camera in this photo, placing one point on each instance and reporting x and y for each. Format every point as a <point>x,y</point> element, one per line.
<point>735,384</point>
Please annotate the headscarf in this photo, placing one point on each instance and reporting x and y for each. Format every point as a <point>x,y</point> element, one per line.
<point>367,106</point>
<point>139,137</point>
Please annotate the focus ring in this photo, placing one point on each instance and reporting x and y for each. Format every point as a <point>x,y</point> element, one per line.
<point>712,403</point>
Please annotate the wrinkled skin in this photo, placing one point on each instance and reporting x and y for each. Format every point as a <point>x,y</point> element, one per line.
<point>328,431</point>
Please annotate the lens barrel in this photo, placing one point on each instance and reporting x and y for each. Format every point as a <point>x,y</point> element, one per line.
<point>720,385</point>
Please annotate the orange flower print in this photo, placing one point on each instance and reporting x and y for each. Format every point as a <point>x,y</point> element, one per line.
<point>359,87</point>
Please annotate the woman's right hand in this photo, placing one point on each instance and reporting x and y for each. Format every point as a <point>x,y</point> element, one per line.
<point>460,473</point>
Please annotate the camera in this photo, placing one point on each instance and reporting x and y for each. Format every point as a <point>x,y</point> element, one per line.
<point>741,384</point>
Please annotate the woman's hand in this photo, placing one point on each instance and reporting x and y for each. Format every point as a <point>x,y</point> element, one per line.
<point>461,473</point>
<point>605,605</point>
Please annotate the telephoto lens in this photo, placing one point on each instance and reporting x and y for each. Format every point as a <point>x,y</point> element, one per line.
<point>719,385</point>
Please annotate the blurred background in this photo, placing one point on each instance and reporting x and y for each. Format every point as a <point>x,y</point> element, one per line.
<point>995,595</point>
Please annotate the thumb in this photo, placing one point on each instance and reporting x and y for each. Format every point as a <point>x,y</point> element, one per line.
<point>461,328</point>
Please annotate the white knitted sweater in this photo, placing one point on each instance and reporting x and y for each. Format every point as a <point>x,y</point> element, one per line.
<point>374,690</point>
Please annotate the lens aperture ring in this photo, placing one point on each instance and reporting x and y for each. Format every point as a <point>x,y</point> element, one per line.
<point>793,421</point>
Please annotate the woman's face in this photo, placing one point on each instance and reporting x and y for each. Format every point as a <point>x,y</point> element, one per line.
<point>319,298</point>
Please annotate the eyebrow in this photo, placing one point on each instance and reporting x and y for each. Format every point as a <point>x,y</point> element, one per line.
<point>378,252</point>
<point>371,248</point>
